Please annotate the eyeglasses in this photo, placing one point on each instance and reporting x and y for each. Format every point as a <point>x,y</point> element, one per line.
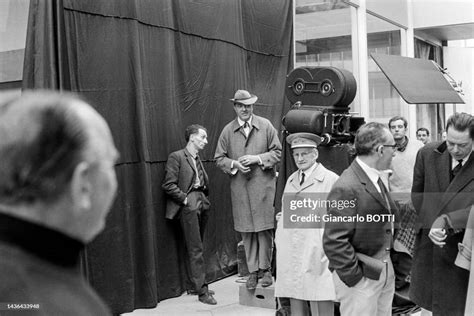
<point>303,155</point>
<point>394,146</point>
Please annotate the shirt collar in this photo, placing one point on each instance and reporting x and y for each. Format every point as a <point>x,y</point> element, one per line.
<point>241,123</point>
<point>309,171</point>
<point>190,153</point>
<point>464,160</point>
<point>372,173</point>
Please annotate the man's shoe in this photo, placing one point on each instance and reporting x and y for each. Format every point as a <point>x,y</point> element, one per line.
<point>207,298</point>
<point>194,292</point>
<point>252,281</point>
<point>267,279</point>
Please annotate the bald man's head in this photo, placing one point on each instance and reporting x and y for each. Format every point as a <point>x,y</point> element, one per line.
<point>41,141</point>
<point>57,162</point>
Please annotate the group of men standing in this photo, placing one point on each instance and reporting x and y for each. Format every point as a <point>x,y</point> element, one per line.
<point>430,187</point>
<point>58,182</point>
<point>247,150</point>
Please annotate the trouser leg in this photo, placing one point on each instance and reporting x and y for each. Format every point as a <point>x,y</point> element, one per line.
<point>386,296</point>
<point>189,221</point>
<point>203,219</point>
<point>322,308</point>
<point>265,249</point>
<point>251,250</point>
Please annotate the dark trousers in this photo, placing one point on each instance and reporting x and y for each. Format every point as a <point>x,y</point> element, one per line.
<point>193,219</point>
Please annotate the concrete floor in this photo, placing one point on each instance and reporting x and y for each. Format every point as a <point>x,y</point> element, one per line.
<point>227,297</point>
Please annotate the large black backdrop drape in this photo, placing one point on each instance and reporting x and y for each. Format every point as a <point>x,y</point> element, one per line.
<point>151,68</point>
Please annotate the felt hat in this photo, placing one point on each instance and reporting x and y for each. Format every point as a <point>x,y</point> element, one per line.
<point>303,140</point>
<point>244,97</point>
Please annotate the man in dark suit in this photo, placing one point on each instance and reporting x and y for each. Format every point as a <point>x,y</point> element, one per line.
<point>442,193</point>
<point>57,184</point>
<point>359,228</point>
<point>186,185</point>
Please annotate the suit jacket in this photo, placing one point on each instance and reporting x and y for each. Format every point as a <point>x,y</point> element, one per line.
<point>357,248</point>
<point>436,283</point>
<point>180,175</point>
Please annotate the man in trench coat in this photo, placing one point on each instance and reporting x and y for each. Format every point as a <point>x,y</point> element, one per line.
<point>442,193</point>
<point>248,150</point>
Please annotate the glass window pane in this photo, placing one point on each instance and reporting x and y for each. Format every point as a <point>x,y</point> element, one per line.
<point>323,34</point>
<point>382,38</point>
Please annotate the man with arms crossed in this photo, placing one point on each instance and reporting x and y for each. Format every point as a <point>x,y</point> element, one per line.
<point>400,182</point>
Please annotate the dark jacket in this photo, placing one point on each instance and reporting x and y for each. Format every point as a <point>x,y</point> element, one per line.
<point>39,266</point>
<point>436,283</point>
<point>358,248</point>
<point>179,179</point>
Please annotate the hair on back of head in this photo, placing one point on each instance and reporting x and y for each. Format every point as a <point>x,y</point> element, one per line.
<point>41,142</point>
<point>461,121</point>
<point>368,137</point>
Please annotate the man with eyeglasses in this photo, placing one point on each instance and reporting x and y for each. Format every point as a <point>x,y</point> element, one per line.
<point>359,249</point>
<point>442,193</point>
<point>302,266</point>
<point>248,150</point>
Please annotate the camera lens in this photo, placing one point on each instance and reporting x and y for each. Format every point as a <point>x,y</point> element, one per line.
<point>326,88</point>
<point>298,87</point>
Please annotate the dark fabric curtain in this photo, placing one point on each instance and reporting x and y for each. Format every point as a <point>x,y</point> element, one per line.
<point>431,116</point>
<point>151,68</point>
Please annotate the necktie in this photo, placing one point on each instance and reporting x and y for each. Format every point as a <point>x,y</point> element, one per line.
<point>246,127</point>
<point>457,168</point>
<point>383,192</point>
<point>302,178</point>
<point>200,172</point>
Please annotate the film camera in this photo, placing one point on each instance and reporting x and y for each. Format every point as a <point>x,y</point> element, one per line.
<point>320,98</point>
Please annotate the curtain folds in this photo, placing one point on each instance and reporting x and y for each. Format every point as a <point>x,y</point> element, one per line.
<point>151,68</point>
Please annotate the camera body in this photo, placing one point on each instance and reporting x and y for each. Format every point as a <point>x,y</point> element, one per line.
<point>320,98</point>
